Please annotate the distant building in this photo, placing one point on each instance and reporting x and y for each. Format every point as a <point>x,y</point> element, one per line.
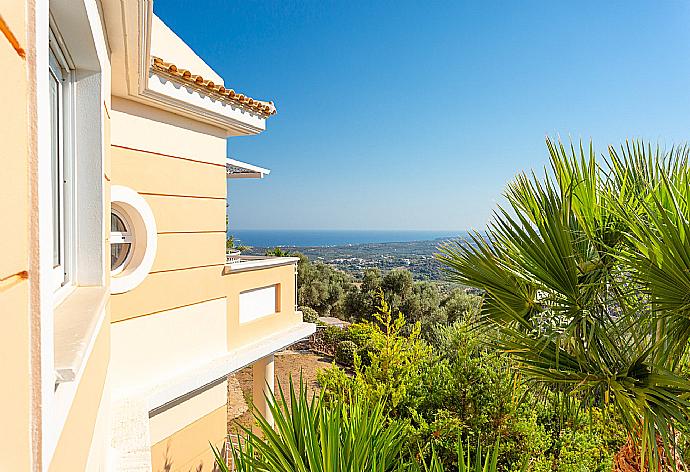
<point>121,315</point>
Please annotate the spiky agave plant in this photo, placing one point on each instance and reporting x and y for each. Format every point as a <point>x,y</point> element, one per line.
<point>586,276</point>
<point>312,436</point>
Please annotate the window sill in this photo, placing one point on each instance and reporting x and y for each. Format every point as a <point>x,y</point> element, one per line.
<point>76,321</point>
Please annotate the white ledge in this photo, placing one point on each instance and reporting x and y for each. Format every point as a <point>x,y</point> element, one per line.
<point>131,438</point>
<point>258,262</point>
<point>77,320</point>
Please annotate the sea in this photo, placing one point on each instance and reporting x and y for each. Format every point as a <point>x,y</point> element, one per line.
<point>333,237</point>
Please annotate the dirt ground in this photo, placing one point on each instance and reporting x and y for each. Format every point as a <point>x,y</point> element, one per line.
<point>286,363</point>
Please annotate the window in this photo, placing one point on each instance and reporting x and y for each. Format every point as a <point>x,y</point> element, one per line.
<point>59,81</point>
<point>133,239</point>
<point>121,239</point>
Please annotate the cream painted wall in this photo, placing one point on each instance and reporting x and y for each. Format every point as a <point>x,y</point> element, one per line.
<point>164,291</point>
<point>158,174</point>
<point>15,334</point>
<point>188,449</point>
<point>179,167</point>
<point>144,128</point>
<point>154,348</point>
<point>173,250</point>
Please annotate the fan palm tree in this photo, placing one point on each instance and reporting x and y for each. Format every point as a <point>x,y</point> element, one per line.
<point>586,276</point>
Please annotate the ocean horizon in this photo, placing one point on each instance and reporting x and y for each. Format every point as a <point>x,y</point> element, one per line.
<point>333,237</point>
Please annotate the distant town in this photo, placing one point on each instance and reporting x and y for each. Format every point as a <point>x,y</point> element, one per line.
<point>415,256</point>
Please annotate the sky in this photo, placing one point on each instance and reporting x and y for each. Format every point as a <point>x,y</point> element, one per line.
<point>416,115</point>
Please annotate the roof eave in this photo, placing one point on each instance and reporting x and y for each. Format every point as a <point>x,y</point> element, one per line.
<point>129,36</point>
<point>250,171</point>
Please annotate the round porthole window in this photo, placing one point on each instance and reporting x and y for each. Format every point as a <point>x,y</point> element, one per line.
<point>132,239</point>
<point>121,239</point>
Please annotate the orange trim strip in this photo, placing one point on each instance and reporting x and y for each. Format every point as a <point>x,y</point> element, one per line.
<point>168,155</point>
<point>181,196</point>
<point>167,309</point>
<point>11,38</point>
<point>186,268</point>
<point>10,281</point>
<point>190,232</point>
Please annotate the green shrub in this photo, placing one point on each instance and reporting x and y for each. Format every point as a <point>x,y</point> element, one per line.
<point>309,315</point>
<point>586,442</point>
<point>462,387</point>
<point>364,334</point>
<point>331,336</point>
<point>368,338</point>
<point>345,353</point>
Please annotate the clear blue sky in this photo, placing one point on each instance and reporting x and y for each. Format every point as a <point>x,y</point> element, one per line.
<point>415,115</point>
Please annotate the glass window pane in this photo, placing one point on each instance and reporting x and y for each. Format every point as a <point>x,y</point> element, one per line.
<point>56,168</point>
<point>118,254</point>
<point>116,224</point>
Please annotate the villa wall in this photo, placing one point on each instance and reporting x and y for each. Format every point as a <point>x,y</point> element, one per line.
<point>179,308</point>
<point>178,166</point>
<point>15,335</point>
<point>176,319</point>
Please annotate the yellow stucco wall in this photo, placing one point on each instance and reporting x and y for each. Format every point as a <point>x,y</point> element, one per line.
<point>15,340</point>
<point>168,290</point>
<point>235,283</point>
<point>188,449</point>
<point>187,194</point>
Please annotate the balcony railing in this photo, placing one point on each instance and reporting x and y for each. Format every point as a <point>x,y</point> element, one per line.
<point>233,256</point>
<point>240,262</point>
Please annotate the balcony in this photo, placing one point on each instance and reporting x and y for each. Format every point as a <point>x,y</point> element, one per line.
<point>261,298</point>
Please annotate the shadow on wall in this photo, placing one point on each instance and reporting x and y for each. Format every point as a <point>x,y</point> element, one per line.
<point>169,464</point>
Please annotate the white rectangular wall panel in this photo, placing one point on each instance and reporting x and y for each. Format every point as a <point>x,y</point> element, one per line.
<point>257,303</point>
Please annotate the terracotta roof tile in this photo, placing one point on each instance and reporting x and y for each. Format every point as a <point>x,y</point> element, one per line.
<point>207,87</point>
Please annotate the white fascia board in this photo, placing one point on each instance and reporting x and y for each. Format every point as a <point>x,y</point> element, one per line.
<point>185,100</point>
<point>255,172</point>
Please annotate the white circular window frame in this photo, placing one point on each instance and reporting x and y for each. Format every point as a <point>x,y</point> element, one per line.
<point>143,248</point>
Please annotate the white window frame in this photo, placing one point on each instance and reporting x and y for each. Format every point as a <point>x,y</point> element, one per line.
<point>75,31</point>
<point>122,237</point>
<point>142,223</point>
<point>60,69</point>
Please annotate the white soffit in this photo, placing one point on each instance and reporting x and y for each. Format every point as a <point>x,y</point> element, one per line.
<point>241,170</point>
